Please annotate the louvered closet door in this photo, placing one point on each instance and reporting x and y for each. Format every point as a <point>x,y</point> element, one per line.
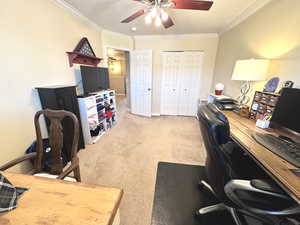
<point>189,80</point>
<point>170,84</point>
<point>180,82</point>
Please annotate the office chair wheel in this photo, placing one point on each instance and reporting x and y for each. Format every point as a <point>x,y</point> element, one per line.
<point>201,218</point>
<point>203,185</point>
<point>198,216</point>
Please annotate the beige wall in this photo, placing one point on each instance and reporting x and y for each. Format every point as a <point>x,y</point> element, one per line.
<point>35,34</point>
<point>117,41</point>
<point>272,33</point>
<point>206,43</point>
<point>117,83</point>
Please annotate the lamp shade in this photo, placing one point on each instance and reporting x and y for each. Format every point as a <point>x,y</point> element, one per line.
<point>250,70</point>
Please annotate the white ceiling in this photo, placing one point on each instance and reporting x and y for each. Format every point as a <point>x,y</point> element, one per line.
<point>108,14</point>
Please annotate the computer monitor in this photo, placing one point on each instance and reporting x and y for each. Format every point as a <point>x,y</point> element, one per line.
<point>287,110</point>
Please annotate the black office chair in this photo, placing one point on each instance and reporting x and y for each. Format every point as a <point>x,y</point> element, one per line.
<point>260,199</point>
<point>240,163</point>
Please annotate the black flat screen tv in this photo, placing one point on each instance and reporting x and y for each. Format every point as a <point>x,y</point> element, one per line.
<point>94,79</point>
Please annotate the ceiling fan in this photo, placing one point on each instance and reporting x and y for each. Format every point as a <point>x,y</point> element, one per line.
<point>156,10</point>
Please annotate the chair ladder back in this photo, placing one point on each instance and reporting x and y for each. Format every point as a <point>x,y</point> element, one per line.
<point>55,139</point>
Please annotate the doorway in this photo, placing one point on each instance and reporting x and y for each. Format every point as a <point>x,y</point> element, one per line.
<point>119,72</point>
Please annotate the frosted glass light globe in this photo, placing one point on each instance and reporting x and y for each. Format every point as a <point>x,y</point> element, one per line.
<point>153,13</point>
<point>157,21</point>
<point>148,19</point>
<point>164,15</point>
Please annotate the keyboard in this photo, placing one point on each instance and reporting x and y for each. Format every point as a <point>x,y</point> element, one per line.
<point>286,149</point>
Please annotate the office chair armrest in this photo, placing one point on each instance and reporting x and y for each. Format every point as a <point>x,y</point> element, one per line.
<point>17,161</point>
<point>234,188</point>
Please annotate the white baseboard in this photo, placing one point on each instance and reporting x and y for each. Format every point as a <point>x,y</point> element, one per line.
<point>155,114</point>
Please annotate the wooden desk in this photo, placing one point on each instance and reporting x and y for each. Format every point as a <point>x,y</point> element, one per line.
<point>55,202</point>
<point>279,169</point>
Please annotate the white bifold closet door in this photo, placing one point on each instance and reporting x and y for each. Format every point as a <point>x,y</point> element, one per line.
<point>141,82</point>
<point>180,82</point>
<point>170,83</point>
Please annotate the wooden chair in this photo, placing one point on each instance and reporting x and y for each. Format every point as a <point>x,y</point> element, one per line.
<point>56,143</point>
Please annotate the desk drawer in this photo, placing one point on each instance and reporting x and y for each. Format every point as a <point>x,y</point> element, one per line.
<point>270,109</point>
<point>265,99</point>
<point>259,94</point>
<point>257,97</point>
<point>273,100</point>
<point>262,108</point>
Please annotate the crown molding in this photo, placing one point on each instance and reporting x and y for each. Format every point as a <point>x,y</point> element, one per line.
<point>74,11</point>
<point>253,8</point>
<point>176,36</point>
<point>116,33</point>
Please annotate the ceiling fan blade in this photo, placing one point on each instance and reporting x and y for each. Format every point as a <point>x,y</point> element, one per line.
<point>168,23</point>
<point>133,16</point>
<point>192,4</point>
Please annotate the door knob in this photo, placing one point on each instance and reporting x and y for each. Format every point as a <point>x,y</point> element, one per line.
<point>149,89</point>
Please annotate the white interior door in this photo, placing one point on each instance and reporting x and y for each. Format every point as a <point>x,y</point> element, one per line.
<point>141,82</point>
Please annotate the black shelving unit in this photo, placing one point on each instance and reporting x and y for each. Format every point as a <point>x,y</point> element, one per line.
<point>63,98</point>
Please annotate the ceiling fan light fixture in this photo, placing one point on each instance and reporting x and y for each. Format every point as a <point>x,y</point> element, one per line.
<point>148,19</point>
<point>156,11</point>
<point>153,12</point>
<point>157,21</point>
<point>164,15</point>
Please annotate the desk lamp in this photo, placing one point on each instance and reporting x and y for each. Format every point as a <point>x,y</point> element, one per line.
<point>249,70</point>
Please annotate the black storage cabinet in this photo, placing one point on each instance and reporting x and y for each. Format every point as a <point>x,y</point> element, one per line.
<point>63,98</point>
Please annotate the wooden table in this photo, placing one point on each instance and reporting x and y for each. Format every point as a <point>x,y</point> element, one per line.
<point>56,202</point>
<point>284,173</point>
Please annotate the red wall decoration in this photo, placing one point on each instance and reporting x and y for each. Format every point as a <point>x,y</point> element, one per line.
<point>83,54</point>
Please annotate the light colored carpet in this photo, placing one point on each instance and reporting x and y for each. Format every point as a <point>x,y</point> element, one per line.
<point>127,156</point>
